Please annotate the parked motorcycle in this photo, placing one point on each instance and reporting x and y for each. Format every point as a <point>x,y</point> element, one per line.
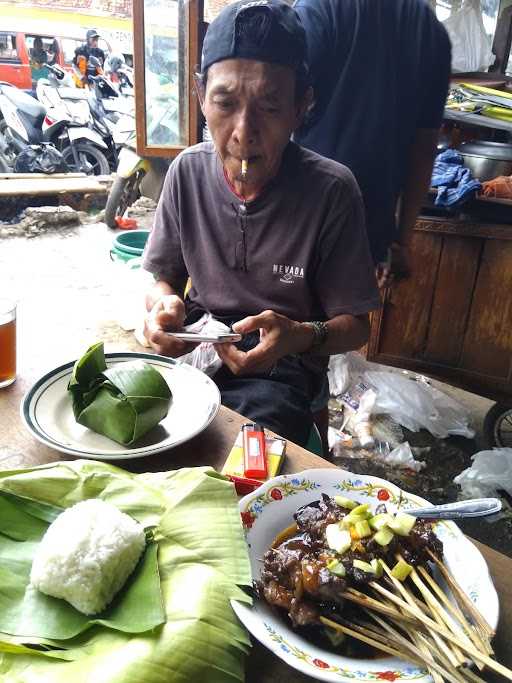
<point>120,73</point>
<point>125,189</point>
<point>21,119</point>
<point>100,91</point>
<point>69,125</point>
<point>162,125</point>
<point>110,116</point>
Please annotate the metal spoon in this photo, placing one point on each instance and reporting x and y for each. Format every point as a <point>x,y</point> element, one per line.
<point>477,507</point>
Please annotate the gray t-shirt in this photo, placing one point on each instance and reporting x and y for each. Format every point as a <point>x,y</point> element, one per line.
<point>299,249</point>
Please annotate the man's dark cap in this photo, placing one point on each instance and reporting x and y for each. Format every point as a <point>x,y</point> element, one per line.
<point>92,33</point>
<point>263,30</point>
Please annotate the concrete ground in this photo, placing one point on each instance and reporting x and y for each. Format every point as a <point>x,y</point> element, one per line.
<point>61,275</point>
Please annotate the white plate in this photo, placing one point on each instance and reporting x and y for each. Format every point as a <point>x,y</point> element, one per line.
<point>47,411</point>
<point>269,510</point>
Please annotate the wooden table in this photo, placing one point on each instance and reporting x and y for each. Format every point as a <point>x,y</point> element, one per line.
<point>19,449</point>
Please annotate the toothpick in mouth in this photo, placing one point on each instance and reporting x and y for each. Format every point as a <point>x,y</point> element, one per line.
<point>245,163</point>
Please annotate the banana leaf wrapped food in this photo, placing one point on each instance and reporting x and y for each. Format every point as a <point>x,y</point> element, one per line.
<point>171,623</point>
<point>122,402</point>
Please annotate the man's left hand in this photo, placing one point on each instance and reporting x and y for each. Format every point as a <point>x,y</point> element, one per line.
<point>279,336</point>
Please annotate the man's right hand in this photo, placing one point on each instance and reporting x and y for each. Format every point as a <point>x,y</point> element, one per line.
<point>167,315</point>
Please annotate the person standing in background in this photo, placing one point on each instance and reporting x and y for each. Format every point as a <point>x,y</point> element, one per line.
<point>380,71</point>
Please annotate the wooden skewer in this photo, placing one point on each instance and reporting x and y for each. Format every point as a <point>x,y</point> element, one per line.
<point>373,632</point>
<point>367,601</point>
<point>450,580</point>
<point>399,587</point>
<point>439,614</point>
<point>428,623</point>
<point>474,634</point>
<point>454,672</point>
<point>438,671</point>
<point>452,625</point>
<point>366,639</point>
<point>437,675</point>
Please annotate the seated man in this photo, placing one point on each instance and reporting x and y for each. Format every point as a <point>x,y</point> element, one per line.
<point>274,246</point>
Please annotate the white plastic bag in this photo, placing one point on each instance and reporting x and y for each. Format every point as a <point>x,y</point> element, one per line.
<point>358,420</point>
<point>402,458</point>
<point>346,369</point>
<point>490,470</point>
<point>413,404</point>
<point>204,357</point>
<point>417,405</point>
<point>471,46</point>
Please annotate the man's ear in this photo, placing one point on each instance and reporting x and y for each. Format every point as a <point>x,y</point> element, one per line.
<point>200,89</point>
<point>303,107</point>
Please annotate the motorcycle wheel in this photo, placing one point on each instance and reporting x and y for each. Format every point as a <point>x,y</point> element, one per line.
<point>92,160</point>
<point>123,193</point>
<point>497,427</point>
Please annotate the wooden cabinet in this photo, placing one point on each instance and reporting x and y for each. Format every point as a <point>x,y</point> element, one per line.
<point>452,318</point>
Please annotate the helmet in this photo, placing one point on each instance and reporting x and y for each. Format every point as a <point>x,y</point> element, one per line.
<point>115,62</point>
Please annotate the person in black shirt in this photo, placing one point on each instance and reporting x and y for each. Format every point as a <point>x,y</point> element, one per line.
<point>380,70</point>
<point>88,49</point>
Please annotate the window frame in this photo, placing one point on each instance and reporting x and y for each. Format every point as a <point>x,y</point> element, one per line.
<point>195,35</point>
<point>11,60</point>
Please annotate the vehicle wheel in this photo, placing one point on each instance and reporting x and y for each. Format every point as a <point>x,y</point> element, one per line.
<point>123,193</point>
<point>498,426</point>
<point>92,160</point>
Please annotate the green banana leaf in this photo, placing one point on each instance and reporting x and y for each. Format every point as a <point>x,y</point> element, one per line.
<point>202,561</point>
<point>123,402</point>
<point>25,611</point>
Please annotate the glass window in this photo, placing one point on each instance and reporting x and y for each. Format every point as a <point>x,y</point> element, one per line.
<point>489,11</point>
<point>468,53</point>
<point>165,73</point>
<point>41,49</point>
<point>166,42</point>
<point>69,46</point>
<point>8,52</point>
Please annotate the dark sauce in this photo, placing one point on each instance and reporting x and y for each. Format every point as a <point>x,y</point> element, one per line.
<point>350,647</point>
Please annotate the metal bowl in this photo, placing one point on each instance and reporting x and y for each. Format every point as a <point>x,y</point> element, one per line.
<point>487,160</point>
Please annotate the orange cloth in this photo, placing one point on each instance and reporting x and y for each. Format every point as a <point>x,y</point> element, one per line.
<point>500,187</point>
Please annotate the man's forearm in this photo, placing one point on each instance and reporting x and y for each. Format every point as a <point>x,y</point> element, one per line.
<point>418,174</point>
<point>344,333</point>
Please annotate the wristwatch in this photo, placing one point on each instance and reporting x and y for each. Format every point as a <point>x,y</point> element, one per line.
<point>320,332</point>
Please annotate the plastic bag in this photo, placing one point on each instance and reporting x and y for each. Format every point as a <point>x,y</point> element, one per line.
<point>346,369</point>
<point>417,405</point>
<point>402,458</point>
<point>204,356</point>
<point>358,419</point>
<point>40,159</point>
<point>471,46</point>
<point>490,471</point>
<point>413,404</point>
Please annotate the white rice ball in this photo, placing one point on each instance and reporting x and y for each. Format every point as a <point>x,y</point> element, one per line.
<point>87,554</point>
